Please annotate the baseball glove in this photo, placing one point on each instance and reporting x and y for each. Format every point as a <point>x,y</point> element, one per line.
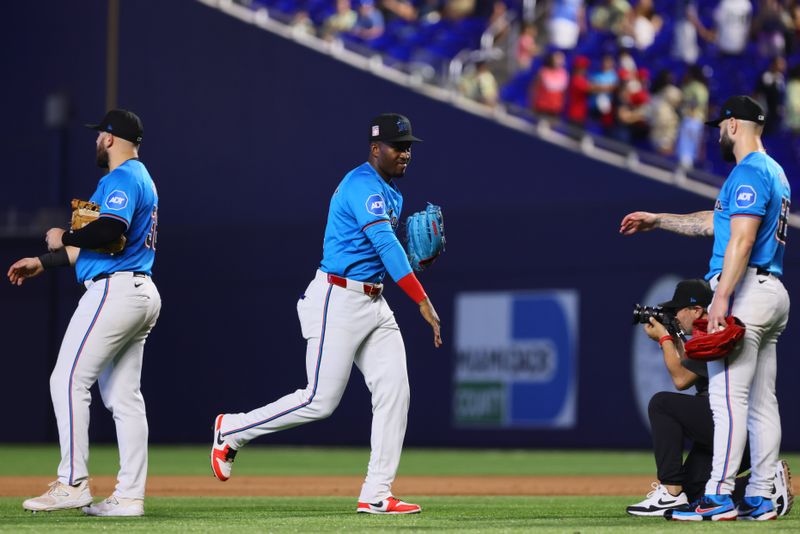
<point>424,237</point>
<point>707,347</point>
<point>84,212</point>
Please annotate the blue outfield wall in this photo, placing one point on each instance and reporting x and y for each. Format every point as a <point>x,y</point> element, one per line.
<point>247,136</point>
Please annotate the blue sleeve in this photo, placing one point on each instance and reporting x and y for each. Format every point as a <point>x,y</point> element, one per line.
<point>389,249</point>
<point>749,193</point>
<point>118,196</point>
<point>366,202</point>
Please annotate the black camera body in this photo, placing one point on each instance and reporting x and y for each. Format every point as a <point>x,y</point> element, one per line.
<point>665,316</point>
<point>642,314</point>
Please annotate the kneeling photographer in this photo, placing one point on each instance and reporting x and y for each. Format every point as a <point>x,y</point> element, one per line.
<point>675,417</point>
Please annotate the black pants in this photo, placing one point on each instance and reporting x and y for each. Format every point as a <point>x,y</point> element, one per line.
<point>675,417</point>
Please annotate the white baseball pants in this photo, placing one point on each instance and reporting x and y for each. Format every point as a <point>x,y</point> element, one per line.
<point>343,326</point>
<point>105,341</point>
<point>742,388</point>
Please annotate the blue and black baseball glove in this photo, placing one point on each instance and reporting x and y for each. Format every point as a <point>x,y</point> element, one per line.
<point>424,237</point>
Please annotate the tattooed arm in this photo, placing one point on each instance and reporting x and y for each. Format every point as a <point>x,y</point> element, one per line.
<point>699,224</point>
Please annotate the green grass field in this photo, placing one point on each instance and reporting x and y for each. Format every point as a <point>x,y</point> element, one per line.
<point>326,514</point>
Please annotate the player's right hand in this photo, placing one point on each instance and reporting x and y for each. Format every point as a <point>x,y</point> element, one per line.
<point>638,221</point>
<point>655,330</point>
<point>430,315</point>
<point>24,268</point>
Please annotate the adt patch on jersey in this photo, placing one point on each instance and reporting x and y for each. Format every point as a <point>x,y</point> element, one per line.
<point>116,200</point>
<point>745,196</point>
<point>376,205</point>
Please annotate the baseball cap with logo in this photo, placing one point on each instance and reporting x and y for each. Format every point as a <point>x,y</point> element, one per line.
<point>740,107</point>
<point>121,123</point>
<point>690,293</point>
<point>391,128</point>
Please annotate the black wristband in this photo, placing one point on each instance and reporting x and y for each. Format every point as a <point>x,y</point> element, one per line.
<point>59,258</point>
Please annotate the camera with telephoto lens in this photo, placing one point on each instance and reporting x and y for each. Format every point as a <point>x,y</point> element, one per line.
<point>665,316</point>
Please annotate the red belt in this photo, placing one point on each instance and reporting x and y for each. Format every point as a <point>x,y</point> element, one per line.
<point>373,290</point>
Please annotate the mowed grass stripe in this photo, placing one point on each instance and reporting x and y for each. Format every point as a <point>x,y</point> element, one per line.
<point>599,515</point>
<point>268,460</point>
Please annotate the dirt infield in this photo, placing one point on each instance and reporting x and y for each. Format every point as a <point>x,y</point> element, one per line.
<point>195,486</point>
<point>300,486</point>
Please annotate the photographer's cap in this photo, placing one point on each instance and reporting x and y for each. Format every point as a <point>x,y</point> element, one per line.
<point>690,293</point>
<point>391,128</point>
<point>121,123</point>
<point>740,107</point>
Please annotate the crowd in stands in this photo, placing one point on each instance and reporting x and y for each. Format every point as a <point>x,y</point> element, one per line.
<point>644,72</point>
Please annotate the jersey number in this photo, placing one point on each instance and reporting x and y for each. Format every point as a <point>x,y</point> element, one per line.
<point>783,221</point>
<point>152,236</point>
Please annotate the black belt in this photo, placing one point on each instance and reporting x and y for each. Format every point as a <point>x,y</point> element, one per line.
<point>760,271</point>
<point>138,274</point>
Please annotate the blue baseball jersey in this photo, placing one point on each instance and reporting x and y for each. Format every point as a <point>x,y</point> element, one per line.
<point>126,194</point>
<point>360,242</point>
<point>756,187</point>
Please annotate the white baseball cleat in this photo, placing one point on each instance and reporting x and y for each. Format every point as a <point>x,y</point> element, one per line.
<point>782,496</point>
<point>60,497</point>
<point>657,502</point>
<point>222,454</point>
<point>116,507</point>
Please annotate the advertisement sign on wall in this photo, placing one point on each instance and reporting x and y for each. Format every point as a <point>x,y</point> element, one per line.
<point>516,359</point>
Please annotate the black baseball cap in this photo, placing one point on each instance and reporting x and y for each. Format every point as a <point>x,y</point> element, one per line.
<point>391,128</point>
<point>690,293</point>
<point>121,123</point>
<point>740,107</point>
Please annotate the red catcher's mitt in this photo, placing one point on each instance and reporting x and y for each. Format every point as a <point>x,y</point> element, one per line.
<point>707,347</point>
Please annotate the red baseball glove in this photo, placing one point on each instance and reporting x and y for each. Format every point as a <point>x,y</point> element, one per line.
<point>707,347</point>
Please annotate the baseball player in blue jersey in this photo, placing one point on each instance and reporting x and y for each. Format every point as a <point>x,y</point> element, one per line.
<point>345,320</point>
<point>749,224</point>
<point>105,338</point>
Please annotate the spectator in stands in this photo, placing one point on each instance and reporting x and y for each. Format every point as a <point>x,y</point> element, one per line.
<point>771,90</point>
<point>664,118</point>
<point>772,26</point>
<point>609,16</point>
<point>694,108</point>
<point>527,49</point>
<point>500,21</point>
<point>630,109</point>
<point>792,107</point>
<point>341,21</point>
<point>458,9</point>
<point>640,26</point>
<point>579,91</point>
<point>399,10</point>
<point>604,85</point>
<point>302,24</point>
<point>369,24</point>
<point>549,88</point>
<point>566,22</point>
<point>732,26</point>
<point>479,84</point>
<point>684,40</point>
<point>626,66</point>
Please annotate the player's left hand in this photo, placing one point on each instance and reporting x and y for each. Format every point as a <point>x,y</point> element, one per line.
<point>53,239</point>
<point>716,315</point>
<point>655,330</point>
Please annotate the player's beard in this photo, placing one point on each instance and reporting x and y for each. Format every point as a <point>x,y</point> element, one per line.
<point>102,157</point>
<point>726,147</point>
